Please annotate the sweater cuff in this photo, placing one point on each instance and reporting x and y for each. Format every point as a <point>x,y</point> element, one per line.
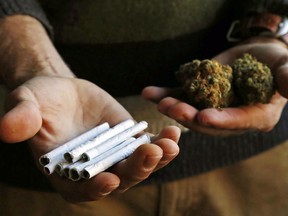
<point>25,7</point>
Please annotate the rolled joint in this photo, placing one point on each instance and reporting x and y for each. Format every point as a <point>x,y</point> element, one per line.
<point>86,174</point>
<point>47,170</point>
<point>74,175</point>
<point>85,157</point>
<point>68,157</point>
<point>44,161</point>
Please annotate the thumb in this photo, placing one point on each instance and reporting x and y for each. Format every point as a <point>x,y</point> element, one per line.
<point>23,119</point>
<point>281,77</point>
<point>156,94</point>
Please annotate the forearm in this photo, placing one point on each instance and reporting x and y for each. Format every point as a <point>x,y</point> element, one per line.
<point>26,51</point>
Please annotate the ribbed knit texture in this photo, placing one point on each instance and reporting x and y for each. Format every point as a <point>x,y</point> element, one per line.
<point>110,21</point>
<point>25,7</point>
<point>252,6</point>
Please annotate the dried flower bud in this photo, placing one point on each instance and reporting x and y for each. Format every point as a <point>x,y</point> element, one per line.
<point>253,81</point>
<point>207,83</point>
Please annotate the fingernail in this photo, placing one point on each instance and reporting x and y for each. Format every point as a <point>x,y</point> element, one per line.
<point>122,190</point>
<point>105,193</point>
<point>107,190</point>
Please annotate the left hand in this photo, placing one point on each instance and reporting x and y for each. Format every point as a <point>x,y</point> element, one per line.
<point>232,120</point>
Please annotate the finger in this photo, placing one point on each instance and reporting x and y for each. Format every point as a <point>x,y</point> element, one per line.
<point>20,123</point>
<point>187,115</point>
<point>138,166</point>
<point>156,94</point>
<point>184,114</point>
<point>281,77</point>
<point>82,191</point>
<point>99,186</point>
<point>178,110</point>
<point>170,151</point>
<point>167,140</point>
<point>259,116</point>
<point>149,158</point>
<point>170,132</point>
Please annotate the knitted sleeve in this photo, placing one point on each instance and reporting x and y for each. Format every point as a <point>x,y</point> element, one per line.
<point>258,6</point>
<point>26,7</point>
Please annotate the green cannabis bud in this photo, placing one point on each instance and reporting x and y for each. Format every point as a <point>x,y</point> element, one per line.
<point>207,83</point>
<point>210,84</point>
<point>253,80</point>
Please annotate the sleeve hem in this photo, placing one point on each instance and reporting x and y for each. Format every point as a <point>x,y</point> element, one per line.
<point>25,7</point>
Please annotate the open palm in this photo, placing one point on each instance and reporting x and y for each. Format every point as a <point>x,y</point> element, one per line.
<point>49,111</point>
<point>232,120</point>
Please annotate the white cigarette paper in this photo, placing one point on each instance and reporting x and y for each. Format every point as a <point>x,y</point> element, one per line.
<point>51,167</point>
<point>75,154</point>
<point>68,146</point>
<point>60,167</point>
<point>114,141</point>
<point>75,170</point>
<point>121,154</point>
<point>66,168</point>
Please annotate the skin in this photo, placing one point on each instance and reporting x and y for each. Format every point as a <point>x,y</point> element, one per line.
<point>232,120</point>
<point>48,106</point>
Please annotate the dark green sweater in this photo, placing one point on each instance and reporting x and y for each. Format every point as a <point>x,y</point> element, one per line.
<point>143,41</point>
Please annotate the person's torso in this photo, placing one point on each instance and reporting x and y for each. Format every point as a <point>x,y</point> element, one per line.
<point>112,41</point>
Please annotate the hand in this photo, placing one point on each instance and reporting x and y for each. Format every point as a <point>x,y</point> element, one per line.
<point>232,120</point>
<point>49,111</point>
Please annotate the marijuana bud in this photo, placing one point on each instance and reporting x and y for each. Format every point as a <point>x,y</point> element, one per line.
<point>253,80</point>
<point>207,83</point>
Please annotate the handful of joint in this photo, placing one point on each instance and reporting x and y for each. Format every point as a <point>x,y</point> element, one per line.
<point>95,150</point>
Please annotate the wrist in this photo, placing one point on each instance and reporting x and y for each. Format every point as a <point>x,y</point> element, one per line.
<point>26,51</point>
